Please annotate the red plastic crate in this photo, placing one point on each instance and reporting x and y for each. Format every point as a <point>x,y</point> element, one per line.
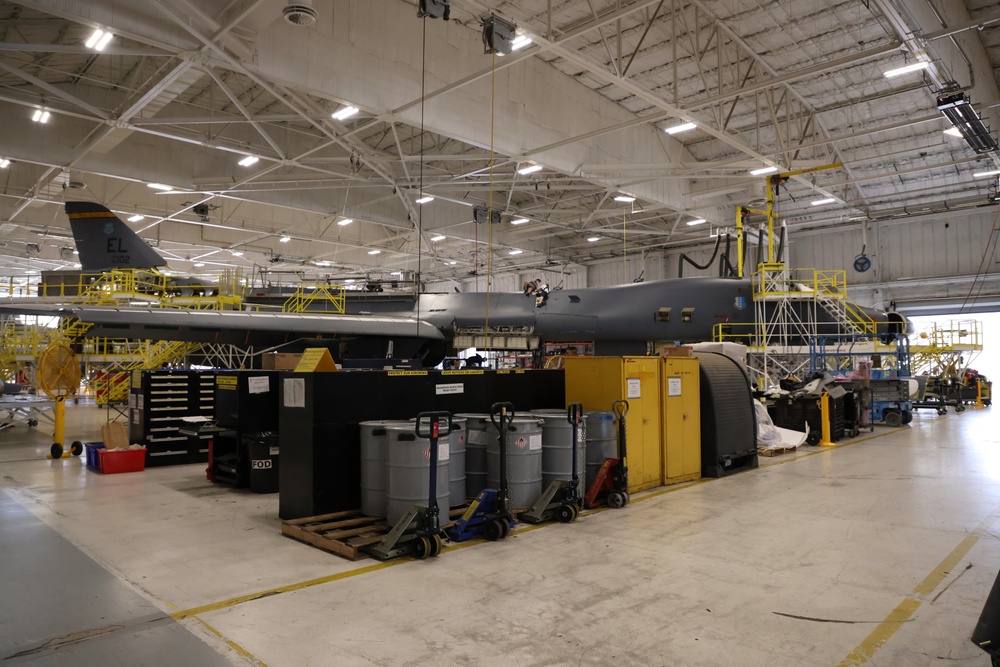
<point>125,460</point>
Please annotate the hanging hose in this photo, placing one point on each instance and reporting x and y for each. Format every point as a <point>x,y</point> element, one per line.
<point>760,245</point>
<point>700,267</point>
<point>781,246</point>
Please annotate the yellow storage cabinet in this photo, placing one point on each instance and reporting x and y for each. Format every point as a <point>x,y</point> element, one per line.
<point>597,382</point>
<point>681,397</point>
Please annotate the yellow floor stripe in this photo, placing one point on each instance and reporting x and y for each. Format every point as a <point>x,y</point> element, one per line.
<point>905,609</point>
<point>254,660</point>
<point>224,604</point>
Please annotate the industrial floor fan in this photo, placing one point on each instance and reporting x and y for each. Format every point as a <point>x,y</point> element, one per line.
<point>58,377</point>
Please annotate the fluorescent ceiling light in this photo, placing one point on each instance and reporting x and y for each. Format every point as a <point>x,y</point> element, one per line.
<point>374,252</point>
<point>515,252</point>
<point>439,237</point>
<point>677,129</point>
<point>906,69</point>
<point>953,131</point>
<point>199,265</point>
<point>249,160</point>
<point>76,252</point>
<point>236,253</point>
<point>697,221</point>
<point>593,239</point>
<point>520,42</point>
<point>41,116</point>
<point>425,199</point>
<point>396,273</point>
<point>137,218</point>
<point>323,264</point>
<point>530,169</point>
<point>763,170</point>
<point>627,199</point>
<point>984,174</point>
<point>519,221</point>
<point>285,239</point>
<point>344,113</point>
<point>161,187</point>
<point>820,202</point>
<point>450,263</point>
<point>98,40</point>
<point>345,222</point>
<point>78,266</point>
<point>349,281</point>
<point>4,163</point>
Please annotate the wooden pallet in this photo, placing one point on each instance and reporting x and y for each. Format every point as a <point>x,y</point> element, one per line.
<point>346,533</point>
<point>776,451</point>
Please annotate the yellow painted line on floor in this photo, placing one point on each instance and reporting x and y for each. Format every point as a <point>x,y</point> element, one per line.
<point>254,660</point>
<point>885,630</point>
<point>232,602</point>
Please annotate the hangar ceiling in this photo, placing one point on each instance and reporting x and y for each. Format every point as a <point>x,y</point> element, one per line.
<point>186,89</point>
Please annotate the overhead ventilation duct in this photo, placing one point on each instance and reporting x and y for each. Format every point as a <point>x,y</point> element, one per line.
<point>300,13</point>
<point>32,249</point>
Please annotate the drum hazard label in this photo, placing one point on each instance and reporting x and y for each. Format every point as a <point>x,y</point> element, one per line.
<point>521,442</point>
<point>535,442</point>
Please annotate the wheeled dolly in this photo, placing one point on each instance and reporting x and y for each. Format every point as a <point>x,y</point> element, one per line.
<point>561,500</point>
<point>610,485</point>
<point>490,514</point>
<point>418,533</point>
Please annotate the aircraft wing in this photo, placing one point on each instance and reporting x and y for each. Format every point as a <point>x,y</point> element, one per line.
<point>169,323</point>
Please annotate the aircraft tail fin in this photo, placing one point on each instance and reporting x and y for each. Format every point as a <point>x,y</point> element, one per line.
<point>105,242</point>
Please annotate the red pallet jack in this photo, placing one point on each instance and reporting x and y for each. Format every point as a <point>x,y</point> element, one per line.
<point>610,485</point>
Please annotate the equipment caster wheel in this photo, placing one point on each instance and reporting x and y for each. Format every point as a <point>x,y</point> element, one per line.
<point>437,545</point>
<point>424,547</point>
<point>76,448</point>
<point>493,530</point>
<point>893,419</point>
<point>56,450</point>
<point>504,529</point>
<point>628,497</point>
<point>855,432</point>
<point>813,438</point>
<point>32,423</point>
<point>942,411</point>
<point>616,499</point>
<point>565,514</point>
<point>959,408</point>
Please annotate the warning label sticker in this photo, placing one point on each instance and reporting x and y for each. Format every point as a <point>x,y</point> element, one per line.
<point>522,443</point>
<point>535,442</point>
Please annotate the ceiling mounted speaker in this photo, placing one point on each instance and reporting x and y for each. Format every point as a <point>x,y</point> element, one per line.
<point>300,12</point>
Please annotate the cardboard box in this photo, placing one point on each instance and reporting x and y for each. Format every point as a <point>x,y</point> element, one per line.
<point>280,361</point>
<point>114,435</point>
<point>673,351</point>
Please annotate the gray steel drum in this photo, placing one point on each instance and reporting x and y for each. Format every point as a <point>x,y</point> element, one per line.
<point>456,462</point>
<point>373,438</point>
<point>602,442</point>
<point>408,473</point>
<point>524,462</point>
<point>475,452</point>
<point>557,448</point>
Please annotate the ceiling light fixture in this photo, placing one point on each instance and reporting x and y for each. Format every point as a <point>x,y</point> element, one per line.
<point>426,199</point>
<point>677,129</point>
<point>953,132</point>
<point>520,42</point>
<point>161,187</point>
<point>374,252</point>
<point>236,253</point>
<point>450,263</point>
<point>285,239</point>
<point>41,116</point>
<point>906,69</point>
<point>763,170</point>
<point>4,163</point>
<point>984,174</point>
<point>98,40</point>
<point>515,252</point>
<point>345,222</point>
<point>136,218</point>
<point>592,239</point>
<point>519,221</point>
<point>820,202</point>
<point>199,265</point>
<point>959,111</point>
<point>530,169</point>
<point>396,273</point>
<point>625,199</point>
<point>345,113</point>
<point>439,237</point>
<point>249,160</point>
<point>696,221</point>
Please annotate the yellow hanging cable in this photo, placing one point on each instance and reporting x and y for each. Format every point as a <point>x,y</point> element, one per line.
<point>624,247</point>
<point>489,214</point>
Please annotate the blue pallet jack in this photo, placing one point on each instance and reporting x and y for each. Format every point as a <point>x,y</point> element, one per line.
<point>561,501</point>
<point>418,533</point>
<point>490,514</point>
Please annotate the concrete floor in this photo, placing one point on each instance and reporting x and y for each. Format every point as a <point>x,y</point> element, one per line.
<point>879,552</point>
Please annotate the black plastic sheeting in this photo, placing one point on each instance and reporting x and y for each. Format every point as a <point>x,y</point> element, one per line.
<point>728,420</point>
